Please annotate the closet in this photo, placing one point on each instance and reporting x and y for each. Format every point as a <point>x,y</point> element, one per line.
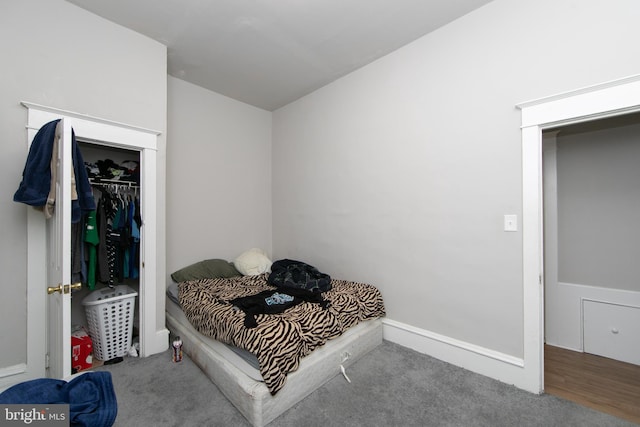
<point>114,174</point>
<point>52,306</point>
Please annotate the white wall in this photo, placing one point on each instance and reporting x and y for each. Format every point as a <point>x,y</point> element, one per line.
<point>399,174</point>
<point>218,176</point>
<point>599,205</point>
<point>58,55</point>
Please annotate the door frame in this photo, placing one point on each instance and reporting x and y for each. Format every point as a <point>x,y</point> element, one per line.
<point>153,337</point>
<point>600,101</point>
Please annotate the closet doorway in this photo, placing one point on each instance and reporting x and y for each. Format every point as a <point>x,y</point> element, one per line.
<point>49,354</point>
<point>114,174</point>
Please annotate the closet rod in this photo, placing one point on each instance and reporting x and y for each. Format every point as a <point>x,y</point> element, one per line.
<point>128,184</point>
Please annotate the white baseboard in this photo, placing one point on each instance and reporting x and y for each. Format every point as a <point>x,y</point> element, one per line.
<point>484,361</point>
<point>11,375</point>
<point>158,343</point>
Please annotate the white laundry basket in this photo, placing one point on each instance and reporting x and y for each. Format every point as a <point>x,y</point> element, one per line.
<point>110,314</point>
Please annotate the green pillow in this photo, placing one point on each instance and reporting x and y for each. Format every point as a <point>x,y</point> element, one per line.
<point>207,269</point>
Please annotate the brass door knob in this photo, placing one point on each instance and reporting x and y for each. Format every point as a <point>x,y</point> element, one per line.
<point>69,288</point>
<point>63,289</point>
<point>54,289</point>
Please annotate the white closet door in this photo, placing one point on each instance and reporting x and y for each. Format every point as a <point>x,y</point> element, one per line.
<point>59,264</point>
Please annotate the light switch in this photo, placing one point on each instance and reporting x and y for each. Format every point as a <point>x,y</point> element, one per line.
<point>511,223</point>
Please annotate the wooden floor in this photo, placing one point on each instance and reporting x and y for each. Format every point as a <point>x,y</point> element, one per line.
<point>600,383</point>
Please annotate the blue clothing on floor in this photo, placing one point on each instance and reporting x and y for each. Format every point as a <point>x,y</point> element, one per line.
<point>90,396</point>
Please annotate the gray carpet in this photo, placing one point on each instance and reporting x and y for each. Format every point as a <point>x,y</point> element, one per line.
<point>391,386</point>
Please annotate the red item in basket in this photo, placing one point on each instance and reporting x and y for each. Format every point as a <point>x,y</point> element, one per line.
<point>81,350</point>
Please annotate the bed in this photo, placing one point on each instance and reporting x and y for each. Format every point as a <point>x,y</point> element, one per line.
<point>258,393</point>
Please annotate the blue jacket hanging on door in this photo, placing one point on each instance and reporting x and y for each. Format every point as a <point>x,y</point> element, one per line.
<point>36,178</point>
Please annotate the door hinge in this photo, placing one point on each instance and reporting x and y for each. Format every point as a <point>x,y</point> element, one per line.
<point>46,361</point>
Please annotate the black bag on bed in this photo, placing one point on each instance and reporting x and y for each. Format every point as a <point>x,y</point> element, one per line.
<point>290,274</point>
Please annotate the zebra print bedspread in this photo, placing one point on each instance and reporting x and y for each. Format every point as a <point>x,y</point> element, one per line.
<point>280,340</point>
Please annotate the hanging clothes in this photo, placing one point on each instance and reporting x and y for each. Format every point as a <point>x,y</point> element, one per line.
<point>77,253</point>
<point>92,239</point>
<point>118,234</point>
<point>102,274</point>
<point>134,258</point>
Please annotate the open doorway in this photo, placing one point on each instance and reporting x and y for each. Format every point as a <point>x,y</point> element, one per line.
<point>591,191</point>
<point>609,99</point>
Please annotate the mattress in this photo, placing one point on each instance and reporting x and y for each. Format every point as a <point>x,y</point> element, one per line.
<point>278,328</point>
<point>242,384</point>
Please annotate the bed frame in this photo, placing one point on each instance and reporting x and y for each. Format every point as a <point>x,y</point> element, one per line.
<point>251,397</point>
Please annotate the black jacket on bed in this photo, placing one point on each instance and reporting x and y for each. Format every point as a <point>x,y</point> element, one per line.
<point>274,301</point>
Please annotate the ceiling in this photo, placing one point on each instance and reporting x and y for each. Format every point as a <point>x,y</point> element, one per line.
<point>268,53</point>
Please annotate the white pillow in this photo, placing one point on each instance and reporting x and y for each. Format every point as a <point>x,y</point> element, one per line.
<point>253,262</point>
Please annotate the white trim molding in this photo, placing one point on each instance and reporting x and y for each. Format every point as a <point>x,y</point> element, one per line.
<point>481,360</point>
<point>612,98</point>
